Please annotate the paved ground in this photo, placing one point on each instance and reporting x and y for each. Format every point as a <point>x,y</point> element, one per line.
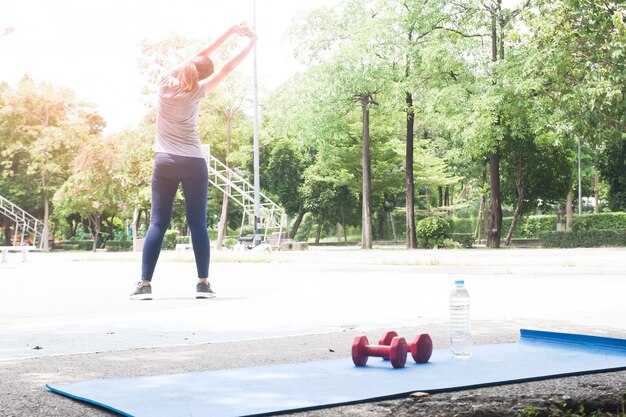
<point>66,317</point>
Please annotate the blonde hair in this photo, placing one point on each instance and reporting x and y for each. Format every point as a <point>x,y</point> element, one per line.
<point>188,77</point>
<point>198,68</point>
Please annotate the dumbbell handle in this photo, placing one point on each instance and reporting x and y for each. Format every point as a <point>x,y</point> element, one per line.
<point>422,341</point>
<point>396,351</point>
<point>377,350</point>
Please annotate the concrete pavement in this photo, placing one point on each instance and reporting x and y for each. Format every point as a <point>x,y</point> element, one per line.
<point>58,310</point>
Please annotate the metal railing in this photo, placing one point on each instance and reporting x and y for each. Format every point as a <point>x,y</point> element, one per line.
<point>237,188</point>
<point>25,223</point>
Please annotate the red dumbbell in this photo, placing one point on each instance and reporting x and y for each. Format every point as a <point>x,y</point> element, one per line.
<point>395,351</point>
<point>421,347</point>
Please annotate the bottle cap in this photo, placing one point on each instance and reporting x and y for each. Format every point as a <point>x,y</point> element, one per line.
<point>459,282</point>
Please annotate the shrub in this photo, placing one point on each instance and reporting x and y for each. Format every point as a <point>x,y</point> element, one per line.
<point>118,245</point>
<point>77,245</point>
<point>450,244</point>
<point>535,225</point>
<point>183,240</point>
<point>530,227</point>
<point>599,221</point>
<point>432,231</point>
<point>466,240</point>
<point>229,242</point>
<point>169,241</point>
<point>584,239</point>
<point>68,245</point>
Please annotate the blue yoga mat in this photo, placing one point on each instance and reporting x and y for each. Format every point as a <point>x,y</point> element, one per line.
<point>300,386</point>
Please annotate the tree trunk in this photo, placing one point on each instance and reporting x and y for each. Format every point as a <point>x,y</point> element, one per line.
<point>380,225</point>
<point>344,225</point>
<point>318,233</point>
<point>569,211</point>
<point>135,224</point>
<point>296,224</point>
<point>95,222</point>
<point>409,182</point>
<point>366,216</point>
<point>44,185</point>
<point>596,193</point>
<point>440,196</point>
<point>111,229</point>
<point>494,227</point>
<point>222,230</point>
<point>393,228</point>
<point>46,222</point>
<point>7,231</point>
<point>146,218</point>
<point>494,38</point>
<point>521,194</point>
<point>446,197</point>
<point>479,217</point>
<point>482,211</point>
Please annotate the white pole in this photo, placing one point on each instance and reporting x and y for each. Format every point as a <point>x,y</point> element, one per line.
<point>257,177</point>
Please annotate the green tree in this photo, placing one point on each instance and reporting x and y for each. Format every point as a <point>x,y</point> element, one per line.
<point>48,124</point>
<point>408,42</point>
<point>481,105</point>
<point>328,196</point>
<point>613,168</point>
<point>531,172</point>
<point>284,174</point>
<point>92,190</point>
<point>343,42</point>
<point>132,170</point>
<point>579,50</point>
<point>297,120</point>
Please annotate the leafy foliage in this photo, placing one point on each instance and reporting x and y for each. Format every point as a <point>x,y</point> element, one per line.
<point>584,239</point>
<point>599,221</point>
<point>612,164</point>
<point>556,79</point>
<point>284,174</point>
<point>432,231</point>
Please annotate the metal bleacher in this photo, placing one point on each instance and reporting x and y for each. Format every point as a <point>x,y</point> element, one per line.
<point>26,225</point>
<point>237,188</point>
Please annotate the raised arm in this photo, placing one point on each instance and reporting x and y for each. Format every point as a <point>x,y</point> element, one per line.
<point>218,76</point>
<point>213,46</point>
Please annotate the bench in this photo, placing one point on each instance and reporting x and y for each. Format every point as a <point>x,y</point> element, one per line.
<point>23,249</point>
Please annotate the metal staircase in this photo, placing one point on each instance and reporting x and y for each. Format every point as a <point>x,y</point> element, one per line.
<point>242,192</point>
<point>25,223</point>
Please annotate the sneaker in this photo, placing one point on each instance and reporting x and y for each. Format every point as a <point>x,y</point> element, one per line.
<point>141,292</point>
<point>204,291</point>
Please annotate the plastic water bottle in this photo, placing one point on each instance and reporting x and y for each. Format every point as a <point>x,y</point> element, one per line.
<point>460,336</point>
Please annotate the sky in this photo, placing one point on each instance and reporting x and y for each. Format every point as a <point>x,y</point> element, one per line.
<point>92,46</point>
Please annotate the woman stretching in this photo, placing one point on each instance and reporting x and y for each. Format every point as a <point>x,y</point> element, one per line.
<point>179,158</point>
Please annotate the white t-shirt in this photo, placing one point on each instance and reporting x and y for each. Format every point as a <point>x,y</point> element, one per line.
<point>177,118</point>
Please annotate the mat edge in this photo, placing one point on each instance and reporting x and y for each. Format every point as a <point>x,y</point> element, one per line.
<point>573,339</point>
<point>86,400</point>
<point>438,391</point>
